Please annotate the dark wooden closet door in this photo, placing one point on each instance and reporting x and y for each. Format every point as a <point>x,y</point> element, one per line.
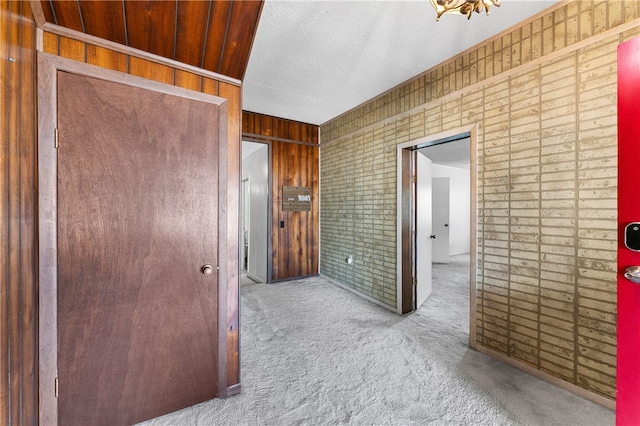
<point>137,221</point>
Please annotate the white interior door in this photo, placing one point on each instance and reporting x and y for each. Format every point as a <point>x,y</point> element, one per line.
<point>440,221</point>
<point>423,254</point>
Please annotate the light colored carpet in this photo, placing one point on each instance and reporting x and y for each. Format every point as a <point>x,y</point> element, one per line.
<point>315,354</point>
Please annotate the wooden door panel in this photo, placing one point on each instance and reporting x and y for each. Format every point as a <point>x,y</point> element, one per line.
<point>137,219</point>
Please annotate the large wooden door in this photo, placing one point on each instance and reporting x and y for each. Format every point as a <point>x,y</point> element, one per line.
<point>137,221</point>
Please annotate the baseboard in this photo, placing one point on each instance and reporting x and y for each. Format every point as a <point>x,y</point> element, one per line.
<point>364,296</point>
<point>584,393</point>
<point>253,277</point>
<point>294,278</point>
<point>233,390</point>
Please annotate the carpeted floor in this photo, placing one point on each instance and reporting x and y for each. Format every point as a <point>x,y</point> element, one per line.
<point>315,354</point>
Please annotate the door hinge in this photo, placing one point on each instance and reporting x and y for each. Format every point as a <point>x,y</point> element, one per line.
<point>56,387</point>
<point>56,143</point>
<point>415,282</point>
<point>414,178</point>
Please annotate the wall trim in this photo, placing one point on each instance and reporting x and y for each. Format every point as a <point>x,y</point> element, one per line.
<point>362,295</point>
<point>299,277</point>
<point>488,81</point>
<point>117,47</point>
<point>233,390</point>
<point>253,137</point>
<point>582,392</point>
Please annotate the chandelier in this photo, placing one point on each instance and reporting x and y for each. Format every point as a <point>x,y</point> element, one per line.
<point>465,7</point>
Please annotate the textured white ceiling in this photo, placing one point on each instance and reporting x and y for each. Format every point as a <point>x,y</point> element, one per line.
<point>453,154</point>
<point>314,60</point>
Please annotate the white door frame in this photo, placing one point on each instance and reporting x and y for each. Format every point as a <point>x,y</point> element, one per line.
<point>472,131</point>
<point>245,209</point>
<point>269,212</point>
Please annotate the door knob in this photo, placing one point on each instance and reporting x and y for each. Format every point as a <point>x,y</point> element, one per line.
<point>433,237</point>
<point>632,273</point>
<point>207,270</point>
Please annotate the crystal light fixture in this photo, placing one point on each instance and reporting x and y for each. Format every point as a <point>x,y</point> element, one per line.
<point>465,7</point>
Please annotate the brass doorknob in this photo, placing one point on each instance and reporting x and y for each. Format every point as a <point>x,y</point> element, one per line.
<point>207,270</point>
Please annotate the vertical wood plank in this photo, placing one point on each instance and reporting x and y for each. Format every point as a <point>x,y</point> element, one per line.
<point>266,126</point>
<point>28,282</point>
<point>106,58</point>
<point>276,216</point>
<point>211,87</point>
<point>238,39</point>
<point>191,30</point>
<point>72,49</point>
<point>5,391</point>
<point>17,211</point>
<point>217,31</point>
<point>47,11</point>
<point>68,14</point>
<point>13,236</point>
<point>6,27</point>
<point>150,70</point>
<point>104,19</point>
<point>303,229</point>
<point>150,24</point>
<point>315,219</point>
<point>50,43</point>
<point>188,80</point>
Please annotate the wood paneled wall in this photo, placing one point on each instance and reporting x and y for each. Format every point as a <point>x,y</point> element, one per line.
<point>273,128</point>
<point>211,34</point>
<point>18,282</point>
<point>294,162</point>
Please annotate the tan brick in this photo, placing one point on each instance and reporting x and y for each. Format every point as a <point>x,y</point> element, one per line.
<point>547,200</point>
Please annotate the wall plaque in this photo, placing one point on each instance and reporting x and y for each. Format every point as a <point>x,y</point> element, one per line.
<point>296,199</point>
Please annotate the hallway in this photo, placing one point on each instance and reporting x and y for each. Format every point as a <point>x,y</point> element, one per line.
<point>314,353</point>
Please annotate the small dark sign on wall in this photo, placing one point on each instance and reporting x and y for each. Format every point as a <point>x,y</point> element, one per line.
<point>296,199</point>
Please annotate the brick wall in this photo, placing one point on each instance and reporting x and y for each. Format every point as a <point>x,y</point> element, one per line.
<point>544,98</point>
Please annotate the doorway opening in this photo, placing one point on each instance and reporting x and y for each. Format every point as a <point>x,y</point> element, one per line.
<point>436,215</point>
<point>255,212</point>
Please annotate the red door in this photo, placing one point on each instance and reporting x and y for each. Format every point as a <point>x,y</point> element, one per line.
<point>628,371</point>
<point>137,223</point>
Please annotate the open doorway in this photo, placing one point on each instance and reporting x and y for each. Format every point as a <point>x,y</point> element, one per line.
<point>451,201</point>
<point>254,212</point>
<point>436,216</point>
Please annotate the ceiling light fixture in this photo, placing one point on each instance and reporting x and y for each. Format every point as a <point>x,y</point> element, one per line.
<point>465,7</point>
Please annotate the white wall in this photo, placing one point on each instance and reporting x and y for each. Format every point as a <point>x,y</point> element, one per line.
<point>459,207</point>
<point>255,167</point>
